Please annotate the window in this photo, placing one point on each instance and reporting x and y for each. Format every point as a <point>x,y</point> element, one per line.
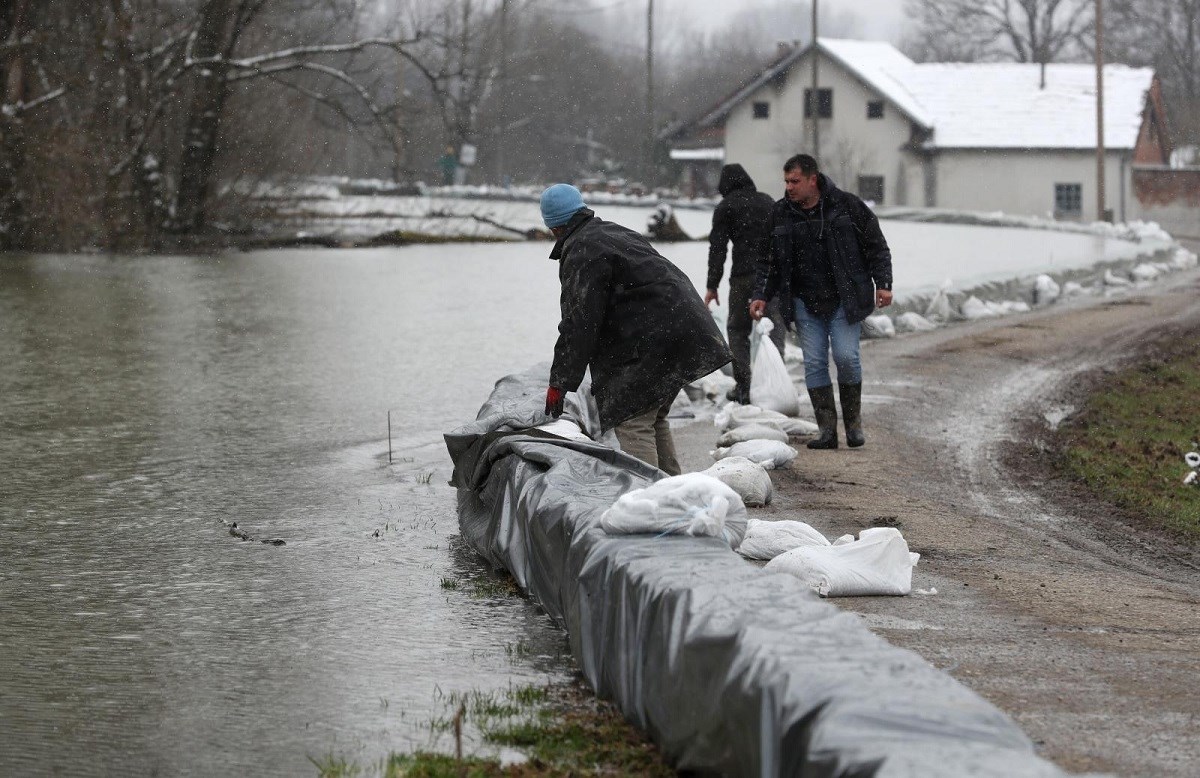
<point>824,103</point>
<point>762,110</point>
<point>1068,201</point>
<point>874,109</point>
<point>870,188</point>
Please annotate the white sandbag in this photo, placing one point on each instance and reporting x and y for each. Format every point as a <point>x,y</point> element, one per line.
<point>878,326</point>
<point>1183,259</point>
<point>748,479</point>
<point>689,504</point>
<point>769,539</point>
<point>1045,290</point>
<point>768,453</point>
<point>1112,279</point>
<point>734,415</point>
<point>879,562</point>
<point>564,428</point>
<point>913,322</point>
<point>1072,289</point>
<point>974,308</point>
<point>746,432</point>
<point>770,385</point>
<point>939,307</point>
<point>1145,272</point>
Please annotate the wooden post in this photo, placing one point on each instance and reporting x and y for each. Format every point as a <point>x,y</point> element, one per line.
<point>1100,204</point>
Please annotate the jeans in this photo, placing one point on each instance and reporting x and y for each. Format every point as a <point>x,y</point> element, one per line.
<point>817,335</point>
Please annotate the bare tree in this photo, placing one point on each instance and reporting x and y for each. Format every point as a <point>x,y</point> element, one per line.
<point>1038,31</point>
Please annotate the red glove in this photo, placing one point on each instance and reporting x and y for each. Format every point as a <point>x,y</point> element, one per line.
<point>554,401</point>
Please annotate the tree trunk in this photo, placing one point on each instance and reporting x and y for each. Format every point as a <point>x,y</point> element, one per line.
<point>14,24</point>
<point>213,41</point>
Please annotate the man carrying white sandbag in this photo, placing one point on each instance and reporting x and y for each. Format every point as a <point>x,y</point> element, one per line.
<point>634,318</point>
<point>830,258</point>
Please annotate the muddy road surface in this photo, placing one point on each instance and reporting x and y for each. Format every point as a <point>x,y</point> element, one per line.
<point>1081,625</point>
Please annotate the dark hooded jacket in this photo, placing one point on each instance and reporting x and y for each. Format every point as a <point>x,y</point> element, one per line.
<point>631,315</point>
<point>849,232</point>
<point>743,216</point>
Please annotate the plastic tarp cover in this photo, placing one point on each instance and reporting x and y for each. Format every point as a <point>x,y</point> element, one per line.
<point>730,669</point>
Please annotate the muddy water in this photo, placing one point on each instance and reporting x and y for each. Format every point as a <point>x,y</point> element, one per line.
<point>147,402</point>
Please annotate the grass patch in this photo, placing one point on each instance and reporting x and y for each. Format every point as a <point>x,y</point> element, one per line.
<point>1128,442</point>
<point>562,729</point>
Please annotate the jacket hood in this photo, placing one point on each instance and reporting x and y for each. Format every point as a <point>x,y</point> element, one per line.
<point>735,177</point>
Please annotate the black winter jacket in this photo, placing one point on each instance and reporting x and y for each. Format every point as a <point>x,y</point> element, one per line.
<point>743,216</point>
<point>631,315</point>
<point>857,250</point>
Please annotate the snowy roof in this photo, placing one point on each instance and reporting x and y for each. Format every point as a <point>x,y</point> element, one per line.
<point>717,153</point>
<point>984,105</point>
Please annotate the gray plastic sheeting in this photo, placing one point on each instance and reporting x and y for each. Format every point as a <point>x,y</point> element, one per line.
<point>730,669</point>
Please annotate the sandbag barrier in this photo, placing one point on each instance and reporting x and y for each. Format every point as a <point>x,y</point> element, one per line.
<point>729,669</point>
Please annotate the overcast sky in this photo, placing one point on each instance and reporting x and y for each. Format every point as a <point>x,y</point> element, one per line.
<point>880,19</point>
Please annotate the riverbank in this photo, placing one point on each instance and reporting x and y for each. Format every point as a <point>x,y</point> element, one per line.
<point>1051,606</point>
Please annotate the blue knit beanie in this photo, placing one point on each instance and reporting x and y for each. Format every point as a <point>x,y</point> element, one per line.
<point>559,204</point>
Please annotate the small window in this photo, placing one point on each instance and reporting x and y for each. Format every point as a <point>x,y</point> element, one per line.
<point>824,103</point>
<point>762,110</point>
<point>874,109</point>
<point>870,188</point>
<point>1068,201</point>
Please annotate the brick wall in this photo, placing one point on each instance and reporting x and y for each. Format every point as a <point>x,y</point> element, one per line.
<point>1170,197</point>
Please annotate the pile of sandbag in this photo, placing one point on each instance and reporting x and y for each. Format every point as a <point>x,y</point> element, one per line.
<point>877,562</point>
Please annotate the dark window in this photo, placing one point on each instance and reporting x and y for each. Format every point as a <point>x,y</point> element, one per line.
<point>762,110</point>
<point>870,188</point>
<point>824,103</point>
<point>1068,201</point>
<point>874,109</point>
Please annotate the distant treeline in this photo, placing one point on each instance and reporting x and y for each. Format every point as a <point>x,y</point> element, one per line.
<point>149,124</point>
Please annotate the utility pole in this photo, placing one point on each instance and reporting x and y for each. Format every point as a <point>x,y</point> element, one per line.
<point>1100,111</point>
<point>649,84</point>
<point>502,110</point>
<point>815,100</point>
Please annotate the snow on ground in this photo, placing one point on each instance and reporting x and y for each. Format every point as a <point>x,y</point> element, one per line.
<point>947,264</point>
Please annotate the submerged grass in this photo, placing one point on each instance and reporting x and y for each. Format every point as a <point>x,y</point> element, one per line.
<point>561,728</point>
<point>1128,443</point>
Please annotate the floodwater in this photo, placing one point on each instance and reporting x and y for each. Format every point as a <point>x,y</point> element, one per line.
<point>149,401</point>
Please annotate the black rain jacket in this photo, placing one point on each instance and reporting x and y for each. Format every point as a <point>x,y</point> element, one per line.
<point>631,315</point>
<point>858,252</point>
<point>743,216</point>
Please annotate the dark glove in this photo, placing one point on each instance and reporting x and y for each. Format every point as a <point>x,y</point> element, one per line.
<point>554,401</point>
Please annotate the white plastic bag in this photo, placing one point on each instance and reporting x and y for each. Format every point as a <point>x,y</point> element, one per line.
<point>690,504</point>
<point>768,453</point>
<point>769,539</point>
<point>748,479</point>
<point>878,326</point>
<point>913,322</point>
<point>745,432</point>
<point>770,385</point>
<point>879,562</point>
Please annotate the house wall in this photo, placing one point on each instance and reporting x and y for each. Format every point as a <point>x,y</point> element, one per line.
<point>851,144</point>
<point>1170,197</point>
<point>1022,182</point>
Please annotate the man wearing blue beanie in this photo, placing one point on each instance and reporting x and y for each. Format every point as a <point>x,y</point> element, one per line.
<point>631,316</point>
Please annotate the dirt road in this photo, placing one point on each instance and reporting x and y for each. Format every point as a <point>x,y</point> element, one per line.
<point>1081,627</point>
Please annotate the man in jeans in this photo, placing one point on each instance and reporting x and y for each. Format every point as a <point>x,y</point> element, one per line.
<point>744,217</point>
<point>631,316</point>
<point>829,256</point>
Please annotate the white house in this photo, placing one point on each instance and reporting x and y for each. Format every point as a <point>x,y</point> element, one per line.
<point>1019,138</point>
